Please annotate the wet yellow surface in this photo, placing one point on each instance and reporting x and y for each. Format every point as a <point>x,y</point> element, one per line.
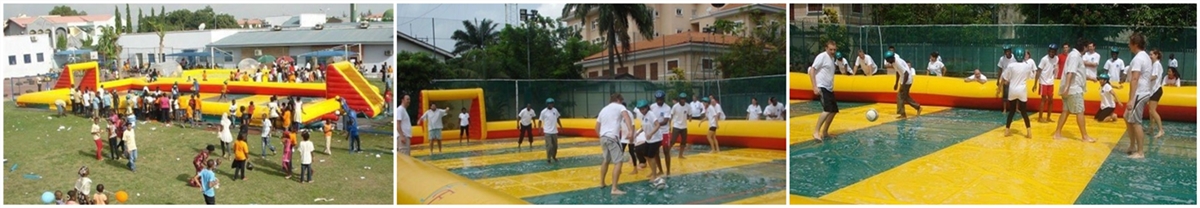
<point>447,147</point>
<point>850,119</point>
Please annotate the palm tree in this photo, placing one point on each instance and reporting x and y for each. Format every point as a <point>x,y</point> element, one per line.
<point>613,21</point>
<point>477,35</point>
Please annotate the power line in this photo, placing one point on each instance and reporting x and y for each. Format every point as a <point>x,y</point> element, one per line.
<point>422,15</point>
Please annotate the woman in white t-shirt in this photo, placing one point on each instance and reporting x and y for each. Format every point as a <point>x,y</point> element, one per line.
<point>1015,77</point>
<point>1157,76</point>
<point>464,125</point>
<point>1108,101</point>
<point>713,115</point>
<point>935,65</point>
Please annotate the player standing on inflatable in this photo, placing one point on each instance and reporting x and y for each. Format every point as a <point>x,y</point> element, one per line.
<point>549,122</point>
<point>935,65</point>
<point>609,124</point>
<point>903,83</point>
<point>1045,79</point>
<point>821,74</point>
<point>1115,67</point>
<point>1140,87</point>
<point>525,126</point>
<point>1015,77</point>
<point>1071,90</point>
<point>1001,89</point>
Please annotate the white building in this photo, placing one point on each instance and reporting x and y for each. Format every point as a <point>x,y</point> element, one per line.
<point>77,28</point>
<point>27,55</point>
<point>138,48</point>
<point>300,20</point>
<point>404,42</point>
<point>372,45</point>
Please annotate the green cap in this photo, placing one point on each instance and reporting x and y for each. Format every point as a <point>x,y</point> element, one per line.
<point>682,95</point>
<point>1115,50</point>
<point>888,55</point>
<point>549,100</point>
<point>705,99</point>
<point>643,104</point>
<point>1019,53</point>
<point>838,55</point>
<point>1007,47</point>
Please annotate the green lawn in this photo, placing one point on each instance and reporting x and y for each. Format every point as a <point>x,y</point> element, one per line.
<point>35,146</point>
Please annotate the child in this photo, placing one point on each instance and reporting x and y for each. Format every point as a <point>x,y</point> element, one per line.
<point>287,153</point>
<point>58,198</point>
<point>241,151</point>
<point>71,198</point>
<point>266,136</point>
<point>96,137</point>
<point>83,184</point>
<point>1108,101</point>
<point>224,91</point>
<point>1014,77</point>
<point>306,149</point>
<point>99,198</point>
<point>328,135</point>
<point>131,151</point>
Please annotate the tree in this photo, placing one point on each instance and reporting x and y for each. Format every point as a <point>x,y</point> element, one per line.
<point>902,14</point>
<point>160,30</point>
<point>119,23</point>
<point>64,10</point>
<point>141,22</point>
<point>128,20</point>
<point>420,69</point>
<point>475,35</point>
<point>60,42</point>
<point>389,15</point>
<point>108,46</point>
<point>759,51</point>
<point>87,42</point>
<point>613,22</point>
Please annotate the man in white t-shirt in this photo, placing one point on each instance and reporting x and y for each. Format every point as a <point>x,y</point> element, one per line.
<point>976,77</point>
<point>842,65</point>
<point>1046,69</point>
<point>753,111</point>
<point>1091,61</point>
<point>525,125</point>
<point>609,124</point>
<point>1174,64</point>
<point>1141,88</point>
<point>713,114</point>
<point>697,107</point>
<point>1071,89</point>
<point>464,125</point>
<point>903,84</point>
<point>821,75</point>
<point>1015,77</point>
<point>891,69</point>
<point>1115,67</point>
<point>651,124</point>
<point>780,109</point>
<point>403,127</point>
<point>549,123</point>
<point>433,125</point>
<point>865,63</point>
<point>679,118</point>
<point>935,65</point>
<point>1001,90</point>
<point>769,111</point>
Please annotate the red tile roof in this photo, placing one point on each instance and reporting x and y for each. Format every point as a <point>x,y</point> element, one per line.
<point>671,40</point>
<point>22,21</point>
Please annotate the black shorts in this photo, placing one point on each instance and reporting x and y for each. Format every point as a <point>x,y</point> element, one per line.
<point>650,149</point>
<point>1157,95</point>
<point>712,128</point>
<point>678,136</point>
<point>1104,113</point>
<point>828,102</point>
<point>1004,93</point>
<point>239,163</point>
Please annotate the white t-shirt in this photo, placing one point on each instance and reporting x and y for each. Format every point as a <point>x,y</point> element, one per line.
<point>464,119</point>
<point>433,118</point>
<point>864,62</point>
<point>306,149</point>
<point>274,108</point>
<point>902,66</point>
<point>1159,76</point>
<point>1115,68</point>
<point>549,120</point>
<point>1017,74</point>
<point>780,109</point>
<point>648,122</point>
<point>824,66</point>
<point>1173,64</point>
<point>1107,99</point>
<point>226,136</point>
<point>1049,66</point>
<point>980,78</point>
<point>84,185</point>
<point>1074,65</point>
<point>679,116</point>
<point>1004,61</point>
<point>1141,63</point>
<point>610,120</point>
<point>405,122</point>
<point>526,115</point>
<point>1091,57</point>
<point>625,129</point>
<point>266,127</point>
<point>936,67</point>
<point>769,112</point>
<point>842,64</point>
<point>697,108</point>
<point>714,114</point>
<point>664,112</point>
<point>753,111</point>
<point>296,112</point>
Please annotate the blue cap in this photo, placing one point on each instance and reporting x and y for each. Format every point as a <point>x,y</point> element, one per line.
<point>1053,46</point>
<point>1115,50</point>
<point>549,100</point>
<point>643,104</point>
<point>1103,76</point>
<point>682,95</point>
<point>1019,53</point>
<point>659,94</point>
<point>889,54</point>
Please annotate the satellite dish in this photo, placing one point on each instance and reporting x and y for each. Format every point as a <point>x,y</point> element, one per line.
<point>202,26</point>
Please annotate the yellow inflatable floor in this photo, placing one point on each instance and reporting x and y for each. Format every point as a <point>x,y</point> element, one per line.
<point>962,156</point>
<point>733,176</point>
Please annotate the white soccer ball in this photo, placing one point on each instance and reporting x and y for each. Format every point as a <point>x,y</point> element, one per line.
<point>872,115</point>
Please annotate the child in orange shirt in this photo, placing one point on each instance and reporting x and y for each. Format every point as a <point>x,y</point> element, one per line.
<point>328,135</point>
<point>241,151</point>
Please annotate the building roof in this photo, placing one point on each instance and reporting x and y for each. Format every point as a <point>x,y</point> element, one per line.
<point>739,6</point>
<point>405,37</point>
<point>621,76</point>
<point>671,40</point>
<point>22,21</point>
<point>250,21</point>
<point>376,35</point>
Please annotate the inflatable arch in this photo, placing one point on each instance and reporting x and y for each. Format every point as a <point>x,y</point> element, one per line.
<point>90,80</point>
<point>478,113</point>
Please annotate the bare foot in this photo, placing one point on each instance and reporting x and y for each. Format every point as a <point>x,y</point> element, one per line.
<point>681,157</point>
<point>1089,140</point>
<point>1007,132</point>
<point>617,192</point>
<point>918,112</point>
<point>1136,156</point>
<point>901,117</point>
<point>1058,136</point>
<point>1160,134</point>
<point>602,185</point>
<point>1029,133</point>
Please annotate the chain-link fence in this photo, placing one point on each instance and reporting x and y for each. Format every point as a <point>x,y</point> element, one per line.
<point>965,48</point>
<point>585,98</point>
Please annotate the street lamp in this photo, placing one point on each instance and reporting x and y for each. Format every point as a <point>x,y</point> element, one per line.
<point>527,16</point>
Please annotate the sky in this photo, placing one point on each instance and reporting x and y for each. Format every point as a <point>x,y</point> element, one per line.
<point>421,20</point>
<point>238,11</point>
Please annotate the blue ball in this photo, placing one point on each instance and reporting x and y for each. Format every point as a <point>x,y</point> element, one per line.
<point>47,197</point>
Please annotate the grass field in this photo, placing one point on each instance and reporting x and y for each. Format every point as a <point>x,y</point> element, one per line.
<point>35,146</point>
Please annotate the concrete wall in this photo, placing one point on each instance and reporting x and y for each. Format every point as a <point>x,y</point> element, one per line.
<point>174,42</point>
<point>18,46</point>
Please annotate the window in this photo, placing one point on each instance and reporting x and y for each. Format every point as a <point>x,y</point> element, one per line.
<point>678,12</point>
<point>672,64</point>
<point>706,64</point>
<point>151,60</point>
<point>678,31</point>
<point>639,71</point>
<point>41,57</point>
<point>654,71</point>
<point>28,59</point>
<point>656,34</point>
<point>12,60</point>
<point>594,24</point>
<point>656,13</point>
<point>816,9</point>
<point>856,8</point>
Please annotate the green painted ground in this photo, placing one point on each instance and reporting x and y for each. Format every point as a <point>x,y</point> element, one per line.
<point>857,155</point>
<point>539,165</point>
<point>1166,176</point>
<point>708,187</point>
<point>34,146</point>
